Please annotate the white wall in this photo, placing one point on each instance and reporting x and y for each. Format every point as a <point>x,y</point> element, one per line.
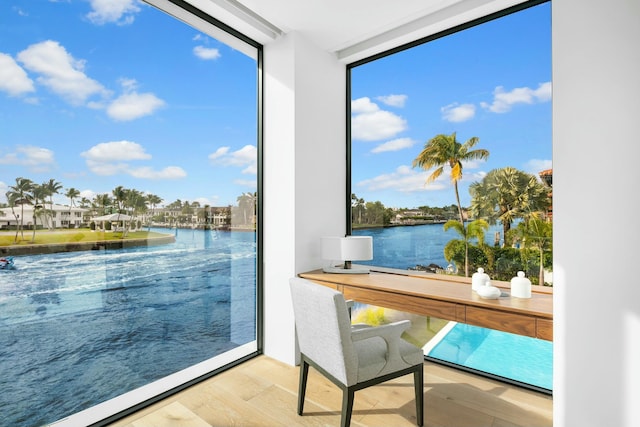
<point>596,134</point>
<point>304,173</point>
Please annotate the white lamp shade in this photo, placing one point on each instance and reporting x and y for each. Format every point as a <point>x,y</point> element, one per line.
<point>350,248</point>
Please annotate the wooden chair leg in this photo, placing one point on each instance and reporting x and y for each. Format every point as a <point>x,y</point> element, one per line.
<point>347,407</point>
<point>418,378</point>
<point>302,388</point>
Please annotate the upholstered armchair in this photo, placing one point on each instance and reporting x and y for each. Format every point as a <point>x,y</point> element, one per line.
<point>353,357</point>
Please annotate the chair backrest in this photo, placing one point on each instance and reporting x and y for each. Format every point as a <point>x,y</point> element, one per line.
<point>323,328</point>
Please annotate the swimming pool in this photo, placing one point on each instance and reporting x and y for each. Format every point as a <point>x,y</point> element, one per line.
<point>514,358</point>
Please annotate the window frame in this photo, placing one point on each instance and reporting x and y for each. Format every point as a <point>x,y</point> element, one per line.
<point>475,22</point>
<point>105,413</point>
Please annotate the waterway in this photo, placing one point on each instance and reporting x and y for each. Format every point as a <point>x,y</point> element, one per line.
<point>79,328</point>
<point>408,246</point>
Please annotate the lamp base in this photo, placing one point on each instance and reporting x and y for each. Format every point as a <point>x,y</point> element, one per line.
<point>341,270</point>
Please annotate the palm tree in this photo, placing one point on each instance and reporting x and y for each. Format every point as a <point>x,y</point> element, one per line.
<point>103,200</point>
<point>71,193</point>
<point>475,229</point>
<point>119,196</point>
<point>508,194</point>
<point>11,202</point>
<point>137,202</point>
<point>52,187</point>
<point>154,201</point>
<point>444,150</point>
<point>39,194</point>
<point>537,233</point>
<point>19,194</point>
<point>357,205</point>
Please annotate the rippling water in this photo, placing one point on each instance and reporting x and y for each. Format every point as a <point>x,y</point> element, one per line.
<point>79,328</point>
<point>406,247</point>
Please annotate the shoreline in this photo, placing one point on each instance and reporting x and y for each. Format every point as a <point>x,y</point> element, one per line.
<point>50,248</point>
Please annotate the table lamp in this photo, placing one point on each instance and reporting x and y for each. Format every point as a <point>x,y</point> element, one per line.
<point>347,249</point>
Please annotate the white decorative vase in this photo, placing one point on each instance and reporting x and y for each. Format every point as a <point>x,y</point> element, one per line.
<point>520,286</point>
<point>489,292</point>
<point>479,279</point>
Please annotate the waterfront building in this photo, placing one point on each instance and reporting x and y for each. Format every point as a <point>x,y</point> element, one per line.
<point>50,216</point>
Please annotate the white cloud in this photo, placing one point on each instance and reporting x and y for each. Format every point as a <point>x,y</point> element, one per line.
<point>377,125</point>
<point>116,151</point>
<point>111,158</point>
<point>250,183</point>
<point>120,12</point>
<point>60,72</point>
<point>170,172</point>
<point>219,153</point>
<point>36,159</point>
<point>89,194</point>
<point>106,168</point>
<point>393,100</point>
<point>406,179</point>
<point>503,101</point>
<point>363,105</point>
<point>370,123</point>
<point>13,79</point>
<point>394,145</point>
<point>206,53</point>
<point>131,106</point>
<point>36,155</point>
<point>128,85</point>
<point>535,166</point>
<point>458,113</point>
<point>246,157</point>
<point>403,179</point>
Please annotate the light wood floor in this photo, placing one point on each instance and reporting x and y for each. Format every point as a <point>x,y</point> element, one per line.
<point>263,392</point>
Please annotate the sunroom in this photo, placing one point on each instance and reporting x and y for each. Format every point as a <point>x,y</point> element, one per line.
<point>303,51</point>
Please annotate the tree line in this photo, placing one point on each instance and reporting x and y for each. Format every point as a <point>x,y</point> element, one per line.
<point>121,200</point>
<point>506,195</point>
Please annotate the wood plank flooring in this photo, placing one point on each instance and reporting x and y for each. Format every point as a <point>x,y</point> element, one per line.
<point>263,392</point>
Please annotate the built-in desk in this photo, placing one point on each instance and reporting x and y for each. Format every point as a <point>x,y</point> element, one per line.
<point>447,297</point>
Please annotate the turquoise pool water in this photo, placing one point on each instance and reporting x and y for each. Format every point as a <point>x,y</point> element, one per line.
<point>514,357</point>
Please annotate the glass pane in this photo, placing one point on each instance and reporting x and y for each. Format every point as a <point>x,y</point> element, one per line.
<point>518,359</point>
<point>486,90</point>
<point>127,204</point>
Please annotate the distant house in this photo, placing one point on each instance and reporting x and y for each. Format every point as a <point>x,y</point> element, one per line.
<point>547,177</point>
<point>215,216</point>
<point>57,216</point>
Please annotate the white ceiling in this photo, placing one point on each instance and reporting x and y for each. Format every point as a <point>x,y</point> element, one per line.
<point>350,29</point>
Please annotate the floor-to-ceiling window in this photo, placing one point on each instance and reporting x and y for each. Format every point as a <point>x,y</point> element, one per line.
<point>451,153</point>
<point>129,194</point>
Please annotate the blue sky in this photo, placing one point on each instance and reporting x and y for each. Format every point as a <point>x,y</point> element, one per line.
<point>96,94</point>
<point>101,93</point>
<point>492,81</point>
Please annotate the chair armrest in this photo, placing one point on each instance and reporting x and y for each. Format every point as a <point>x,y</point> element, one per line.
<point>350,304</point>
<point>389,331</point>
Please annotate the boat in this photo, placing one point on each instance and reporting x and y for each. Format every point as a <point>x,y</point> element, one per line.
<point>6,263</point>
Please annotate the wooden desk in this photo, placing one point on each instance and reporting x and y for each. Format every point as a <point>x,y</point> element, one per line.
<point>447,297</point>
